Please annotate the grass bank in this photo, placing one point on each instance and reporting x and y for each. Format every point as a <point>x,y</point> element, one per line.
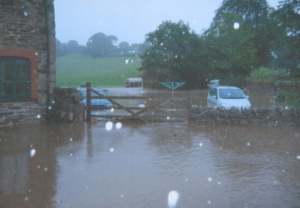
<point>112,71</point>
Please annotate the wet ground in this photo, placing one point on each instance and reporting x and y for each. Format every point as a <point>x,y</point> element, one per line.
<point>170,164</point>
<point>149,165</point>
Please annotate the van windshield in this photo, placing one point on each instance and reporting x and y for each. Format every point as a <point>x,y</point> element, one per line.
<point>231,94</point>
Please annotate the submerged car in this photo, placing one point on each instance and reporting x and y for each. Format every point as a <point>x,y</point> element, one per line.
<point>227,97</point>
<point>97,104</point>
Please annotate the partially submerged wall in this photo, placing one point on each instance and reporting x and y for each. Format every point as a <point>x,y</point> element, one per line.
<point>256,116</point>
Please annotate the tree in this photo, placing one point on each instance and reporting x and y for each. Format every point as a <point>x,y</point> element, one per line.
<point>287,44</point>
<point>123,47</point>
<point>175,55</point>
<point>73,46</point>
<point>61,49</point>
<point>99,45</point>
<point>255,15</point>
<point>230,49</point>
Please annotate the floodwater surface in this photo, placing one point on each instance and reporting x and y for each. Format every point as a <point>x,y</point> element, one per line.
<point>110,164</point>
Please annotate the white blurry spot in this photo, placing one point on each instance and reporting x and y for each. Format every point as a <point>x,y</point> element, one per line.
<point>248,143</point>
<point>173,198</point>
<point>111,149</point>
<point>168,118</point>
<point>286,107</point>
<point>38,167</point>
<point>183,32</point>
<point>162,44</point>
<point>186,179</point>
<point>236,25</point>
<point>49,107</point>
<point>148,53</point>
<point>208,202</point>
<point>219,183</point>
<point>25,13</point>
<point>29,190</point>
<point>71,154</point>
<point>283,171</point>
<point>122,196</point>
<point>139,59</point>
<point>53,101</point>
<point>109,126</point>
<point>38,116</point>
<point>126,61</point>
<point>287,152</point>
<point>36,53</point>
<point>209,179</point>
<point>118,125</point>
<point>141,106</point>
<point>175,56</point>
<point>71,139</point>
<point>45,169</point>
<point>26,198</point>
<point>132,61</point>
<point>298,157</point>
<point>200,144</point>
<point>32,152</point>
<point>194,21</point>
<point>112,110</point>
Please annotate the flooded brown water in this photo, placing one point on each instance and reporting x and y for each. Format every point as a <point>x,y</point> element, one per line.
<point>149,165</point>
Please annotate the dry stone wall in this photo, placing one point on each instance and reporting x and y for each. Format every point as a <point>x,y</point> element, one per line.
<point>256,116</point>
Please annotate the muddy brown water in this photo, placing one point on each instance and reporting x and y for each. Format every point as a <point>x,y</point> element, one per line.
<point>170,164</point>
<point>139,165</point>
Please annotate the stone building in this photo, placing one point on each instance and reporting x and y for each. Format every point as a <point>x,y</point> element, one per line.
<point>27,60</point>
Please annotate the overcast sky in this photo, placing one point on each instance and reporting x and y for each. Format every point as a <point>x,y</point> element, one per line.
<point>129,20</point>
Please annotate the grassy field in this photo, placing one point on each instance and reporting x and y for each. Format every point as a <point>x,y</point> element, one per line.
<point>75,69</point>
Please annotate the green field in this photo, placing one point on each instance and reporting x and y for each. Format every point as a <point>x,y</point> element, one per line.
<point>112,71</point>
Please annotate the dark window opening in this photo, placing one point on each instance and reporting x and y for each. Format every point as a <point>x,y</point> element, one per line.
<point>14,79</point>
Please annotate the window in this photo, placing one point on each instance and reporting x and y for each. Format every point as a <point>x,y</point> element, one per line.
<point>15,79</point>
<point>9,2</point>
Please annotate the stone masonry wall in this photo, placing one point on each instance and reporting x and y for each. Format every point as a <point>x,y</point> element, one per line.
<point>12,114</point>
<point>256,116</point>
<point>23,25</point>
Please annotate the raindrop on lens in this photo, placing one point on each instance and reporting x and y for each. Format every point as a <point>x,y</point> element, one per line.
<point>219,183</point>
<point>38,116</point>
<point>112,110</point>
<point>209,179</point>
<point>111,149</point>
<point>173,198</point>
<point>162,44</point>
<point>200,144</point>
<point>49,107</point>
<point>298,157</point>
<point>208,202</point>
<point>248,143</point>
<point>25,13</point>
<point>236,25</point>
<point>168,118</point>
<point>45,169</point>
<point>26,198</point>
<point>71,139</point>
<point>109,126</point>
<point>32,152</point>
<point>118,125</point>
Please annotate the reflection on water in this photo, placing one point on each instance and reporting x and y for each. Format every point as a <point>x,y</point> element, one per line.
<point>151,165</point>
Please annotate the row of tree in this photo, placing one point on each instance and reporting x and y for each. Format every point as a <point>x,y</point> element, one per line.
<point>99,45</point>
<point>244,35</point>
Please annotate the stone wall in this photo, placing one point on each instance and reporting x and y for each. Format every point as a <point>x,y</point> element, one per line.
<point>23,26</point>
<point>12,114</point>
<point>256,116</point>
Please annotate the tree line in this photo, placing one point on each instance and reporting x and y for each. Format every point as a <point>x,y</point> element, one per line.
<point>244,35</point>
<point>99,45</point>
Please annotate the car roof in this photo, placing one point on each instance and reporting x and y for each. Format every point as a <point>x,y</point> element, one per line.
<point>226,87</point>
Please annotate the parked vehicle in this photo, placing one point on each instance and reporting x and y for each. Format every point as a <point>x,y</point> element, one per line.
<point>227,97</point>
<point>97,104</point>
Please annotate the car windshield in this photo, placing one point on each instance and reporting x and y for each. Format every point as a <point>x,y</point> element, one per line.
<point>231,94</point>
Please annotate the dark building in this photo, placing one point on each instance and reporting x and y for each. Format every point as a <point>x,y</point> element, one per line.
<point>27,60</point>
